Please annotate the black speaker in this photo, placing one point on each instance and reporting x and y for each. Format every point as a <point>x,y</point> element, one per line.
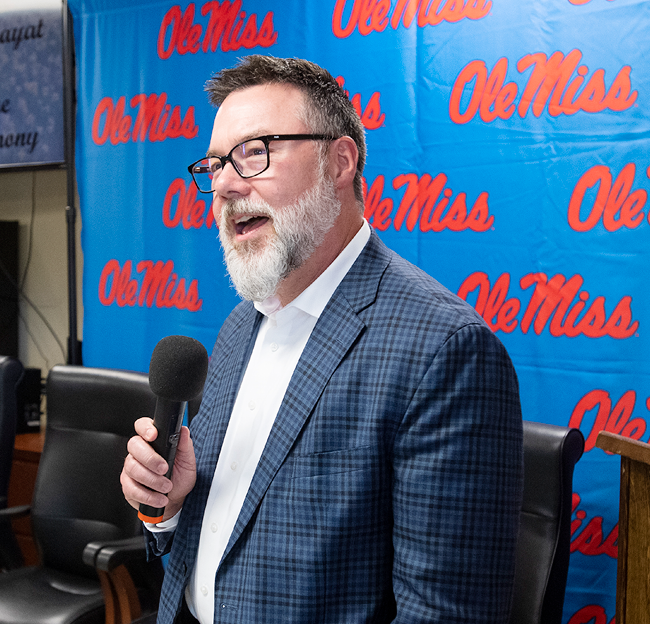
<point>8,289</point>
<point>28,396</point>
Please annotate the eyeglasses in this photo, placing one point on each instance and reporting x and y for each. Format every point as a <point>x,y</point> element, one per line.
<point>249,159</point>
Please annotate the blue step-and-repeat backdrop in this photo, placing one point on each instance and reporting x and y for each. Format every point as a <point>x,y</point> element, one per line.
<point>508,157</point>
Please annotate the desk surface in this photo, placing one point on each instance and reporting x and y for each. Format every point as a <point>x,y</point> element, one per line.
<point>28,443</point>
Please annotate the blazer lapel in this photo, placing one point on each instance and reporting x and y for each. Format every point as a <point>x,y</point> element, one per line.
<point>332,337</point>
<point>228,365</point>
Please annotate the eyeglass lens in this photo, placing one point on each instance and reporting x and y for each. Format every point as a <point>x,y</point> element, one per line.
<point>249,158</point>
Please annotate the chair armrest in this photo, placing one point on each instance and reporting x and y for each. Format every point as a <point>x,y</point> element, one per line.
<point>107,556</point>
<point>15,512</point>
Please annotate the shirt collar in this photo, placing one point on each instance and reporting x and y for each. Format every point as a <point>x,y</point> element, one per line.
<point>314,298</point>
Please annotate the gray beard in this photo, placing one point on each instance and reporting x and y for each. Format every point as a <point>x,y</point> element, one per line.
<point>256,268</point>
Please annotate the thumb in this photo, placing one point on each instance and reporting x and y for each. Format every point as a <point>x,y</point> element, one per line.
<point>185,451</point>
<point>184,475</point>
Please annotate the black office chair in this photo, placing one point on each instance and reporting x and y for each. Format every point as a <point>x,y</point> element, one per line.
<point>543,548</point>
<point>78,500</point>
<point>11,372</point>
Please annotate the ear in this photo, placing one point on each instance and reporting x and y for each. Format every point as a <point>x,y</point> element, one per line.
<point>343,161</point>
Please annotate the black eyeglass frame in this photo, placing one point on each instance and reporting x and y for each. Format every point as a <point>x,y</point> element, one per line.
<point>266,139</point>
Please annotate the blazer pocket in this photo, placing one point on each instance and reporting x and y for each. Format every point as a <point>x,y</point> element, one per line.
<point>334,462</point>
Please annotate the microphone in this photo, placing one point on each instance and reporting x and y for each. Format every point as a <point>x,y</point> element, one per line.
<point>177,372</point>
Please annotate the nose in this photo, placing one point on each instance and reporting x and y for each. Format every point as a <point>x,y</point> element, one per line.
<point>230,184</point>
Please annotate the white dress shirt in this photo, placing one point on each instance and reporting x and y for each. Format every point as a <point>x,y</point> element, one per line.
<point>282,336</point>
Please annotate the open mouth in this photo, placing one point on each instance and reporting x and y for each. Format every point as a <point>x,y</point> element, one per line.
<point>245,225</point>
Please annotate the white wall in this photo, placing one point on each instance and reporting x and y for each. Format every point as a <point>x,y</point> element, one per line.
<point>46,284</point>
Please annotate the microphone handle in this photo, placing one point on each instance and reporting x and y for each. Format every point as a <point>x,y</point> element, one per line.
<point>168,420</point>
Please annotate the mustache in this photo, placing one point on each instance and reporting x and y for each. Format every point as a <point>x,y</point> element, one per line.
<point>245,206</point>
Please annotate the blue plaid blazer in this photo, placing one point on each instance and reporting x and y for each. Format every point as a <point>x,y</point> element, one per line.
<point>390,486</point>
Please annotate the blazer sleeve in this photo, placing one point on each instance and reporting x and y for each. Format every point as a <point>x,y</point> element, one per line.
<point>458,471</point>
<point>157,544</point>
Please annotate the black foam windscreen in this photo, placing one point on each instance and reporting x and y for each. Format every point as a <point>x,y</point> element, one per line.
<point>178,368</point>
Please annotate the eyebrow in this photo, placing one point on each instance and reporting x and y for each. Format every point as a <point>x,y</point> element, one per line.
<point>246,137</point>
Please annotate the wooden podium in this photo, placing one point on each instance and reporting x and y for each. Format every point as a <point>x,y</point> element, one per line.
<point>633,576</point>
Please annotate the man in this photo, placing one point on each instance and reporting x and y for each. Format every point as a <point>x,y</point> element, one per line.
<point>357,455</point>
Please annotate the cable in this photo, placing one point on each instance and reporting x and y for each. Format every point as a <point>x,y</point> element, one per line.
<point>38,348</point>
<point>21,286</point>
<point>31,234</point>
<point>33,306</point>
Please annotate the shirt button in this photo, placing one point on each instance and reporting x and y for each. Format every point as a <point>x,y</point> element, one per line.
<point>251,405</point>
<point>274,346</point>
<point>233,466</point>
<point>204,590</point>
<point>214,528</point>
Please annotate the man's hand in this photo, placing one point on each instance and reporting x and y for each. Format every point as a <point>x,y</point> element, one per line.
<point>143,475</point>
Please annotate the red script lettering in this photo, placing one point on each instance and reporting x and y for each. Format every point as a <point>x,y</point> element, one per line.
<point>557,83</point>
<point>615,202</point>
<point>617,420</point>
<point>160,287</point>
<point>427,203</point>
<point>552,299</point>
<point>228,28</point>
<point>189,211</point>
<point>375,15</point>
<point>155,120</point>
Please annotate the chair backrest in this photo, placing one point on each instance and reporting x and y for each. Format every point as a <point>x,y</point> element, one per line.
<point>11,372</point>
<point>543,548</point>
<point>77,495</point>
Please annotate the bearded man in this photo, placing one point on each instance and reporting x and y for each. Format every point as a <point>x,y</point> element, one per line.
<point>357,456</point>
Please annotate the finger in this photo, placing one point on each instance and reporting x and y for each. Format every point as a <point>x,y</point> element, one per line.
<point>136,494</point>
<point>142,475</point>
<point>142,452</point>
<point>145,428</point>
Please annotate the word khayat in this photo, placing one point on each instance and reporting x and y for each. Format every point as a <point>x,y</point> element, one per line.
<point>375,15</point>
<point>552,300</point>
<point>22,33</point>
<point>155,120</point>
<point>557,81</point>
<point>227,25</point>
<point>427,204</point>
<point>160,286</point>
<point>616,204</point>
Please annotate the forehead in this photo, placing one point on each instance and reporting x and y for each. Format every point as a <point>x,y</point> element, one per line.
<point>255,111</point>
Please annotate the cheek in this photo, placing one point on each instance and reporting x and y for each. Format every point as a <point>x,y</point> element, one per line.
<point>216,210</point>
<point>292,191</point>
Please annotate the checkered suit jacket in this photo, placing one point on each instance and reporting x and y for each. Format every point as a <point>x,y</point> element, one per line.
<point>389,489</point>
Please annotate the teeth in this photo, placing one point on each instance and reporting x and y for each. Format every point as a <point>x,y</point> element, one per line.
<point>244,219</point>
